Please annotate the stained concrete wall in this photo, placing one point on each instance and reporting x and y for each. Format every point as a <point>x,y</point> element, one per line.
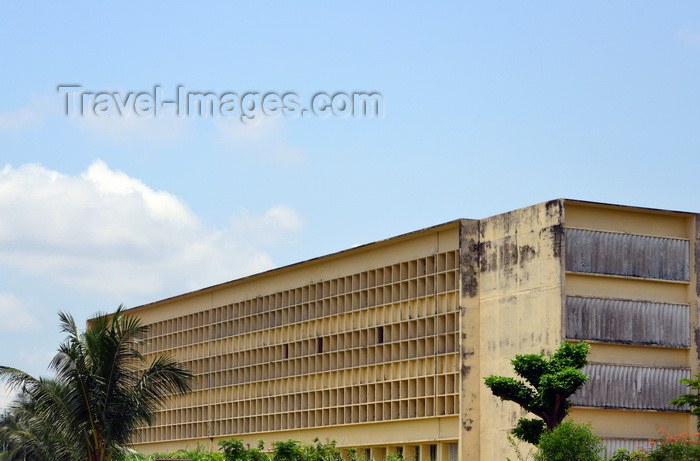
<point>512,297</point>
<point>471,385</point>
<point>520,305</point>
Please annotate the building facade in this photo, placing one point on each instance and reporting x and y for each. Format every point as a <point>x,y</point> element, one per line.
<point>385,347</point>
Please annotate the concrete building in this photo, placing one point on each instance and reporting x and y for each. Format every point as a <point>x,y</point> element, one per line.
<point>386,346</point>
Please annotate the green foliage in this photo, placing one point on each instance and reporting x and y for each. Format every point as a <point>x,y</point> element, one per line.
<point>322,451</point>
<point>692,399</point>
<point>529,430</point>
<point>549,382</point>
<point>234,450</point>
<point>624,455</point>
<point>293,450</point>
<point>198,454</point>
<point>23,436</point>
<point>103,391</point>
<point>288,451</point>
<point>258,453</point>
<point>569,442</point>
<point>353,456</point>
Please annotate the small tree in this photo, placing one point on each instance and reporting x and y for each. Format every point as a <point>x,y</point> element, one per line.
<point>288,451</point>
<point>692,400</point>
<point>258,453</point>
<point>569,442</point>
<point>234,450</point>
<point>548,384</point>
<point>318,451</point>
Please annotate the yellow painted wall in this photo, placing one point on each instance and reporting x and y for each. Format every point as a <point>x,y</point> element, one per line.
<point>413,432</point>
<point>209,328</point>
<point>656,223</point>
<point>507,298</point>
<point>520,290</point>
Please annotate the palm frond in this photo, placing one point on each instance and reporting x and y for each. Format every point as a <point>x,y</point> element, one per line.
<point>101,393</point>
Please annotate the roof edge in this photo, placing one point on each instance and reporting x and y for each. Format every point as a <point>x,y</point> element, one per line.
<point>315,260</point>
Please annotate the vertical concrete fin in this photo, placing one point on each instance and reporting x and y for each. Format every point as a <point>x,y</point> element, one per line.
<point>470,376</point>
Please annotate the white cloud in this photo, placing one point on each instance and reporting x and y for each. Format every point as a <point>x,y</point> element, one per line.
<point>269,227</point>
<point>689,36</point>
<point>17,315</point>
<point>35,362</point>
<point>130,129</point>
<point>264,139</point>
<point>6,396</point>
<point>108,233</point>
<point>30,117</point>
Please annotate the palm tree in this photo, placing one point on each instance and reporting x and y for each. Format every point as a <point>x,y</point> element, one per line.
<point>103,390</point>
<point>24,436</point>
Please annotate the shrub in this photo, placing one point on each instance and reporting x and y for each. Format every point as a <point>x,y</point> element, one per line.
<point>569,442</point>
<point>667,448</point>
<point>198,454</point>
<point>288,451</point>
<point>322,451</point>
<point>234,450</point>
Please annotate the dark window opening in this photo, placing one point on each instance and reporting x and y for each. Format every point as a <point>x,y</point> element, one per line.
<point>433,452</point>
<point>319,345</point>
<point>380,335</point>
<point>286,351</point>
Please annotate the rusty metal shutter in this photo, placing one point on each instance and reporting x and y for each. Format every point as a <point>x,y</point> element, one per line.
<point>627,254</point>
<point>627,321</point>
<point>631,387</point>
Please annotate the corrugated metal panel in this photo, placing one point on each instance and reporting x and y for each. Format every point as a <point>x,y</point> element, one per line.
<point>612,444</point>
<point>627,321</point>
<point>626,254</point>
<point>632,388</point>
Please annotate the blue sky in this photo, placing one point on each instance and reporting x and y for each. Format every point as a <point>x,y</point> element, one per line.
<point>487,108</point>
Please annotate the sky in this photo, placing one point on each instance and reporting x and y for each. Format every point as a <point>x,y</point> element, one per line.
<point>486,107</point>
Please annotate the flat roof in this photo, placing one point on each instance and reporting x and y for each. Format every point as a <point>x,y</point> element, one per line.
<point>398,238</point>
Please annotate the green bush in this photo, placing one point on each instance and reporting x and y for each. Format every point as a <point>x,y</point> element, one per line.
<point>322,451</point>
<point>288,451</point>
<point>293,450</point>
<point>234,450</point>
<point>569,442</point>
<point>197,454</point>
